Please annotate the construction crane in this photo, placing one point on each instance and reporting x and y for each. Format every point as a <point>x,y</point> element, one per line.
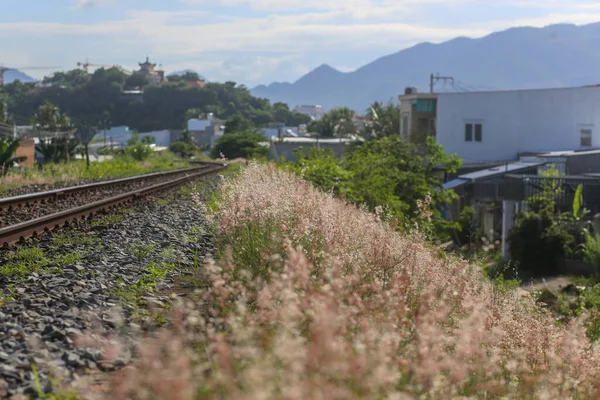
<point>87,64</point>
<point>4,69</point>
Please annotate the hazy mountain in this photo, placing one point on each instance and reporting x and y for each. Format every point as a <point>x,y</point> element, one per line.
<point>554,56</point>
<point>15,75</point>
<point>182,72</point>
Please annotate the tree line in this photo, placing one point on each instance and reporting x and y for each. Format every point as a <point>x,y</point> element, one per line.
<point>98,99</point>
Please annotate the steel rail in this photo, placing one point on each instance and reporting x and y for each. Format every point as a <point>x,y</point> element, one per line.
<point>36,227</point>
<point>11,202</point>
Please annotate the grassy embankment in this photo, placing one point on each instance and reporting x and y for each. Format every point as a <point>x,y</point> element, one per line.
<point>76,170</point>
<point>313,298</point>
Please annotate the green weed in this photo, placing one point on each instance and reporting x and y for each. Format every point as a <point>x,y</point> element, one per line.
<point>164,202</point>
<point>155,272</point>
<point>159,318</point>
<point>196,277</point>
<point>8,294</point>
<point>25,261</point>
<point>141,251</point>
<point>58,394</point>
<point>133,295</point>
<point>67,259</point>
<point>111,219</point>
<point>168,253</point>
<point>70,239</point>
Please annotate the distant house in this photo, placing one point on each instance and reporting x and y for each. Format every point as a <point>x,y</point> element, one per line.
<point>315,112</point>
<point>284,131</point>
<point>286,146</point>
<point>26,149</point>
<point>499,125</point>
<point>206,131</point>
<point>117,135</point>
<point>161,138</point>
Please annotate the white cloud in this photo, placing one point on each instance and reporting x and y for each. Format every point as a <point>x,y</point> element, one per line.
<point>278,41</point>
<point>91,3</point>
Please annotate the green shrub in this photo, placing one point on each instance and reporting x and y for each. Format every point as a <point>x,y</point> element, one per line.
<point>240,145</point>
<point>390,174</point>
<point>182,148</point>
<point>467,231</point>
<point>591,250</point>
<point>138,151</point>
<point>539,244</point>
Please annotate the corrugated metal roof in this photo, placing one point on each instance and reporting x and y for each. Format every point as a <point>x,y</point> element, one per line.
<point>502,169</point>
<point>455,183</point>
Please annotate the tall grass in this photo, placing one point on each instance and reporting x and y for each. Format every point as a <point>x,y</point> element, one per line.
<point>317,299</point>
<point>76,170</point>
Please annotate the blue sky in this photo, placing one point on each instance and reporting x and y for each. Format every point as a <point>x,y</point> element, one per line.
<point>254,41</point>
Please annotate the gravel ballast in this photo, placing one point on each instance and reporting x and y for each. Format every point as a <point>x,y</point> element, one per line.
<point>42,313</point>
<point>36,210</point>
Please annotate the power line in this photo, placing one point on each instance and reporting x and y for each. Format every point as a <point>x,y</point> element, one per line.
<point>433,79</point>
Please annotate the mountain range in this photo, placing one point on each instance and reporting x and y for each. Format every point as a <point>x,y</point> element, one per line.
<point>14,75</point>
<point>517,58</point>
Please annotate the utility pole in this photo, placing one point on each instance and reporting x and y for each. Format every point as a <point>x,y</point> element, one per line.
<point>433,79</point>
<point>87,156</point>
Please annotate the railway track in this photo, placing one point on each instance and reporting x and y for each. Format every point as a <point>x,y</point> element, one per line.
<point>106,196</point>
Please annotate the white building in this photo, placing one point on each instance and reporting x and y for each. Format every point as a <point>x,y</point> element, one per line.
<point>161,138</point>
<point>206,131</point>
<point>498,126</point>
<point>313,111</point>
<point>286,131</point>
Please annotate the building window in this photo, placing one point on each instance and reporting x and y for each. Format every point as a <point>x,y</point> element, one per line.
<point>473,132</point>
<point>478,132</point>
<point>405,126</point>
<point>586,137</point>
<point>468,132</point>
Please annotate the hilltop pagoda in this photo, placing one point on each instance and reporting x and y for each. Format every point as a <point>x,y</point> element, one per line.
<point>149,70</point>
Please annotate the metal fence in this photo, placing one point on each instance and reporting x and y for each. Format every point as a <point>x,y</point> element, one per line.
<point>523,187</point>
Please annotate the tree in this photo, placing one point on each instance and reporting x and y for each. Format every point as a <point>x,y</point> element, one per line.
<point>136,80</point>
<point>190,76</point>
<point>385,119</point>
<point>57,149</point>
<point>8,148</point>
<point>186,137</point>
<point>387,172</point>
<point>49,119</point>
<point>85,97</point>
<point>149,140</point>
<point>182,148</point>
<point>138,151</point>
<point>193,113</point>
<point>69,79</point>
<point>237,124</point>
<point>4,119</point>
<point>338,122</point>
<point>240,145</point>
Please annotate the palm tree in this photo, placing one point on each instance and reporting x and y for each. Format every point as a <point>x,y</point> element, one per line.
<point>385,119</point>
<point>49,119</point>
<point>57,149</point>
<point>8,148</point>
